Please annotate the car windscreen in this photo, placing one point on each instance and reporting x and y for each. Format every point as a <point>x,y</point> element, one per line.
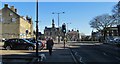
<point>26,40</point>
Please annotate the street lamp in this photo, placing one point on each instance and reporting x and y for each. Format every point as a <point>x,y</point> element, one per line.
<point>37,28</point>
<point>68,26</point>
<point>58,24</point>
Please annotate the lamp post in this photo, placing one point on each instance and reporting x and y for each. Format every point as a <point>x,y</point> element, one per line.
<point>37,28</point>
<point>58,24</point>
<point>68,26</point>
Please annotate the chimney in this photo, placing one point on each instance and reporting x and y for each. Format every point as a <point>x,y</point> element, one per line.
<point>12,8</point>
<point>6,5</point>
<point>16,10</point>
<point>27,17</point>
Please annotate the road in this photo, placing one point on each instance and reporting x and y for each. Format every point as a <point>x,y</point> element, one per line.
<point>86,53</point>
<point>92,53</point>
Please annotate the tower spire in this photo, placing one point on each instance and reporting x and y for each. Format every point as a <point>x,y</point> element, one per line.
<point>53,25</point>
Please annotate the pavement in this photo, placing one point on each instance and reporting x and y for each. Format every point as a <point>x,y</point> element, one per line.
<point>60,55</point>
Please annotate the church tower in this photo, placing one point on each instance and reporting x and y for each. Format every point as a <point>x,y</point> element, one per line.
<point>53,25</point>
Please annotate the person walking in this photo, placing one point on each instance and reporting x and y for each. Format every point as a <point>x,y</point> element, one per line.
<point>50,44</point>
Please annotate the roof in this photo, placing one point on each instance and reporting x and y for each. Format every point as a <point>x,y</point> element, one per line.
<point>112,28</point>
<point>50,28</point>
<point>15,13</point>
<point>12,11</point>
<point>73,32</point>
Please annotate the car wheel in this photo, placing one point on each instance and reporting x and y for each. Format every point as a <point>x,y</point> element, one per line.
<point>30,48</point>
<point>8,48</point>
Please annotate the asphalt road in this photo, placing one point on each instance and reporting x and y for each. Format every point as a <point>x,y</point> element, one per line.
<point>93,54</point>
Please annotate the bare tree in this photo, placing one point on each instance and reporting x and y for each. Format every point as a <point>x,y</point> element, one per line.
<point>116,12</point>
<point>101,22</point>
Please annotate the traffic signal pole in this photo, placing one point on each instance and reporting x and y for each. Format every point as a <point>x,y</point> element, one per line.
<point>64,40</point>
<point>58,29</point>
<point>64,31</point>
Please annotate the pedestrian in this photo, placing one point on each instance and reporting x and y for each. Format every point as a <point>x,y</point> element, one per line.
<point>50,44</point>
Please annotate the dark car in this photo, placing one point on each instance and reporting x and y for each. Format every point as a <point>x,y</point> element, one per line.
<point>41,44</point>
<point>117,41</point>
<point>18,44</point>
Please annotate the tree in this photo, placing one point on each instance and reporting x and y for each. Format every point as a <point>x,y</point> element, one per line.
<point>101,22</point>
<point>116,12</point>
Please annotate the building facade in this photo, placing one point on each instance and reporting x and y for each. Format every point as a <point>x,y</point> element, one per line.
<point>14,25</point>
<point>113,31</point>
<point>73,35</point>
<point>110,31</point>
<point>52,32</point>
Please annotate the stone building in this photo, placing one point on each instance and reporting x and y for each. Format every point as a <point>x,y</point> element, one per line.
<point>73,35</point>
<point>110,31</point>
<point>14,25</point>
<point>52,31</point>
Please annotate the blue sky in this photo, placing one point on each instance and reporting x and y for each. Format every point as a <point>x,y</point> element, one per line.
<point>78,14</point>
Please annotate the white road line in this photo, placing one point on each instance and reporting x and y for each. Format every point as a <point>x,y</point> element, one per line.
<point>105,54</point>
<point>80,59</point>
<point>73,57</point>
<point>76,53</point>
<point>117,58</point>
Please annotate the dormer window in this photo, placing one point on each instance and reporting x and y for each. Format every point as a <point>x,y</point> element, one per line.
<point>13,19</point>
<point>11,14</point>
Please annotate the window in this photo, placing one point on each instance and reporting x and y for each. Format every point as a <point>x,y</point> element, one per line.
<point>21,41</point>
<point>13,40</point>
<point>1,19</point>
<point>13,19</point>
<point>11,14</point>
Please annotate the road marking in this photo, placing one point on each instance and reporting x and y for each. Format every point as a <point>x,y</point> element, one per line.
<point>117,58</point>
<point>73,57</point>
<point>104,54</point>
<point>76,53</point>
<point>80,59</point>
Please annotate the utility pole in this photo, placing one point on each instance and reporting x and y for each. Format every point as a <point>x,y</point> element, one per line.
<point>68,26</point>
<point>58,25</point>
<point>37,28</point>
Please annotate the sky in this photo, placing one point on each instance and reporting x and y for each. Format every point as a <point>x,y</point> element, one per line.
<point>77,14</point>
<point>60,0</point>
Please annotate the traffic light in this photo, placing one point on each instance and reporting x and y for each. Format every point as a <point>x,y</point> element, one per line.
<point>64,28</point>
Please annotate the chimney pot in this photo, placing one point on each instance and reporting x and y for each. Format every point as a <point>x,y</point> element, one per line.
<point>16,10</point>
<point>12,8</point>
<point>6,5</point>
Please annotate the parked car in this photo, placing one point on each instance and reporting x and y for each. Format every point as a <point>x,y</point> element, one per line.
<point>3,39</point>
<point>18,44</point>
<point>109,40</point>
<point>117,41</point>
<point>41,44</point>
